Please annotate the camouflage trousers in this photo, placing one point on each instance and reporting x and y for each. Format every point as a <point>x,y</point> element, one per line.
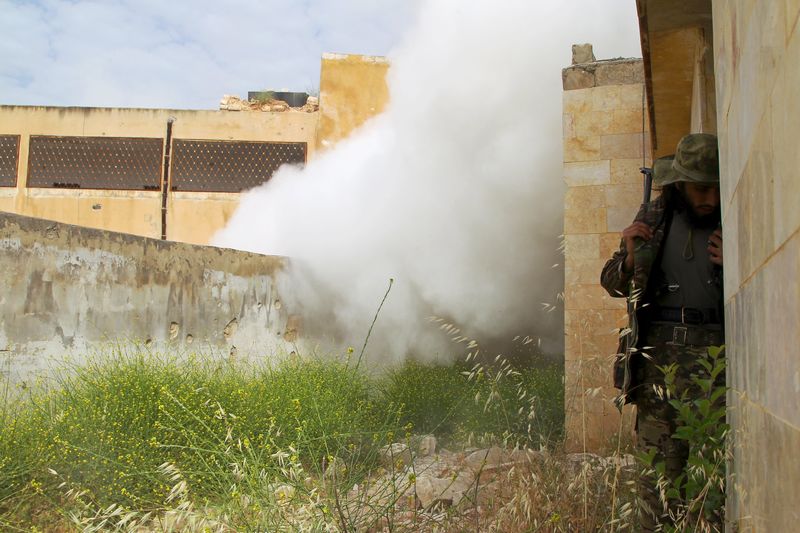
<point>656,421</point>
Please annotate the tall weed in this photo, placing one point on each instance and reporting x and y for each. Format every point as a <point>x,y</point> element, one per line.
<point>138,438</point>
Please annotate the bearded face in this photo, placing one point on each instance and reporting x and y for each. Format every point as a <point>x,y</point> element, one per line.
<point>702,202</point>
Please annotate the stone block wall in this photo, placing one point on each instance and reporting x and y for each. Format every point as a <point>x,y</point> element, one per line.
<point>603,149</point>
<point>757,64</point>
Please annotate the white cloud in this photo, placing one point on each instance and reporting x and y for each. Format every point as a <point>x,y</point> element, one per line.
<point>148,53</point>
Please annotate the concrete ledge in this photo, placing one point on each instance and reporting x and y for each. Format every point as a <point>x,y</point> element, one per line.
<point>624,71</point>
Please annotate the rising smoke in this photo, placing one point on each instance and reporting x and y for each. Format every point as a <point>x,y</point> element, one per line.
<point>455,192</point>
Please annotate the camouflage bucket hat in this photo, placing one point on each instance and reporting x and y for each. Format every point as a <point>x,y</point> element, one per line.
<point>663,172</point>
<point>696,160</point>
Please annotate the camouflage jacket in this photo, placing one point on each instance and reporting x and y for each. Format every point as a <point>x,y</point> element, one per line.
<point>633,285</point>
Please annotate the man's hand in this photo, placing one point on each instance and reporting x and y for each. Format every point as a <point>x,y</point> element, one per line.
<point>715,247</point>
<point>629,235</point>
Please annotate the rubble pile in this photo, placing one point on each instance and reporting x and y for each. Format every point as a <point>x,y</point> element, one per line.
<point>422,485</point>
<point>230,102</point>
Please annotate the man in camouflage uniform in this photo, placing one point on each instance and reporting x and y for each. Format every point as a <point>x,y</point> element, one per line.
<point>669,266</point>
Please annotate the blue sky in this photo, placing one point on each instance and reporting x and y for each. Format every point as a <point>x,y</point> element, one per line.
<point>187,54</point>
<point>178,53</point>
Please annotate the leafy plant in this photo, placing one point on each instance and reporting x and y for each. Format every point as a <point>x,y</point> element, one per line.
<point>700,413</point>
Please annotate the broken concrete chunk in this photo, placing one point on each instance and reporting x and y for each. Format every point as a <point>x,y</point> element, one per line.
<point>527,456</point>
<point>278,106</point>
<point>427,445</point>
<point>481,459</point>
<point>395,454</point>
<point>230,102</point>
<point>582,53</point>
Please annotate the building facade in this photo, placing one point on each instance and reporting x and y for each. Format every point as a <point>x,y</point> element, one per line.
<point>171,174</point>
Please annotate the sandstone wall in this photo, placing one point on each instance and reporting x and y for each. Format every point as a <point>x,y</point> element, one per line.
<point>352,89</point>
<point>757,61</point>
<point>70,291</point>
<point>602,156</point>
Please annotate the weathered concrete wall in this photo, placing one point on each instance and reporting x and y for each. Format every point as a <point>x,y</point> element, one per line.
<point>68,291</point>
<point>757,59</point>
<point>352,90</point>
<point>602,155</point>
<point>191,217</point>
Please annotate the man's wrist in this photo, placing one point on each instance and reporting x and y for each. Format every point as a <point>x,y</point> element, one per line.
<point>626,267</point>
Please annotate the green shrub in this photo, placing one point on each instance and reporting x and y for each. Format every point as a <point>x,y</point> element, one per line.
<point>700,488</point>
<point>433,398</point>
<point>524,406</point>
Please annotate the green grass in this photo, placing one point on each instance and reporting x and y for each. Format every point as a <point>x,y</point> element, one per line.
<point>522,406</point>
<point>145,432</point>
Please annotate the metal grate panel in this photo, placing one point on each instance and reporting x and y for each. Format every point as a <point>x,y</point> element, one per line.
<point>95,163</point>
<point>9,159</point>
<point>223,166</point>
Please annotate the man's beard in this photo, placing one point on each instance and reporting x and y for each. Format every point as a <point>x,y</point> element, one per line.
<point>710,220</point>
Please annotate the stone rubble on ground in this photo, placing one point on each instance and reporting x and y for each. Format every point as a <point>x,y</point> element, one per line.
<point>431,480</point>
<point>489,458</point>
<point>425,485</point>
<point>583,460</point>
<point>427,445</point>
<point>397,454</point>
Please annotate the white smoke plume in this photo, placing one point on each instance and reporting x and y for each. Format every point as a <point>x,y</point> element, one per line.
<point>455,192</point>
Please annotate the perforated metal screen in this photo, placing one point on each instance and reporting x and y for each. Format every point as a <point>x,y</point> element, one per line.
<point>9,157</point>
<point>223,166</point>
<point>95,163</point>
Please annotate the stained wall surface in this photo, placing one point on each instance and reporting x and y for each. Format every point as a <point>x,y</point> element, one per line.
<point>71,291</point>
<point>603,147</point>
<point>352,89</point>
<point>757,62</point>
